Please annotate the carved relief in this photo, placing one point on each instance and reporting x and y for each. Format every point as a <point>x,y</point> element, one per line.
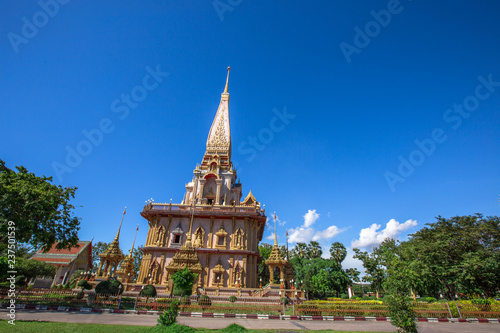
<point>199,237</point>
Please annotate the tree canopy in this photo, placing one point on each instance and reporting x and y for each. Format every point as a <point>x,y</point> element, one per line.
<point>452,257</point>
<point>40,210</point>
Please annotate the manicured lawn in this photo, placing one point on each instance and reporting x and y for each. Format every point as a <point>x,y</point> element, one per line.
<point>42,327</point>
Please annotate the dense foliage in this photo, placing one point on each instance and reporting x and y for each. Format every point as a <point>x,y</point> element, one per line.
<point>26,268</point>
<point>109,287</point>
<point>183,281</point>
<point>169,316</point>
<point>40,210</point>
<point>455,257</point>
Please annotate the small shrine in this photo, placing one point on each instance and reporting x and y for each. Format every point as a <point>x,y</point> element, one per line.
<point>112,257</point>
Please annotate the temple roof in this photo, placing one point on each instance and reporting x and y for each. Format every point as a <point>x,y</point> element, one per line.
<point>65,257</point>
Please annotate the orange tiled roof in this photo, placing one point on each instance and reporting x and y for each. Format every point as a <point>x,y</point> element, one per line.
<point>64,256</point>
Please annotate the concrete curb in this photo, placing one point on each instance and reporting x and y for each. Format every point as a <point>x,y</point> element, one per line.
<point>248,316</point>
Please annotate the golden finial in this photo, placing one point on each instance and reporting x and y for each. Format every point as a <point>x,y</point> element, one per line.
<point>133,243</point>
<point>118,233</point>
<point>275,237</point>
<point>227,80</point>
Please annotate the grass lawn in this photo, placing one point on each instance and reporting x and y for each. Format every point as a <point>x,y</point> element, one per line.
<point>41,327</point>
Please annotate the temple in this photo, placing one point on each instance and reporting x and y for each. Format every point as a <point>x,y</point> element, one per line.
<point>213,231</point>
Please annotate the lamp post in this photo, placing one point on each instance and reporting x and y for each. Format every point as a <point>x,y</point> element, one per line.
<point>260,282</point>
<point>281,283</point>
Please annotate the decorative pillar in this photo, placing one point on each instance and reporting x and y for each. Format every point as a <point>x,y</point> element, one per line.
<point>217,196</point>
<point>168,230</point>
<point>207,270</point>
<point>162,268</point>
<point>143,272</point>
<point>244,273</point>
<point>202,185</point>
<point>231,271</point>
<point>210,234</point>
<point>100,267</point>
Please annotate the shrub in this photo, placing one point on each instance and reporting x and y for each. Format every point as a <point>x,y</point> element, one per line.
<point>149,291</point>
<point>480,301</point>
<point>430,299</point>
<point>169,316</point>
<point>402,314</point>
<point>344,296</point>
<point>232,299</point>
<point>84,284</point>
<point>109,287</point>
<point>204,301</point>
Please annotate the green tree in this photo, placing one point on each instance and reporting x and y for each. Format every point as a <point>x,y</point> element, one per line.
<point>306,251</point>
<point>263,271</point>
<point>40,210</point>
<point>29,269</point>
<point>183,281</point>
<point>374,269</point>
<point>323,277</point>
<point>338,252</point>
<point>462,253</point>
<point>353,274</point>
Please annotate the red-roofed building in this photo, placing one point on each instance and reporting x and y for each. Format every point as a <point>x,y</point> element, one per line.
<point>67,261</point>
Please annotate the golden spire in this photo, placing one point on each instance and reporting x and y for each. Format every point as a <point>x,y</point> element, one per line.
<point>227,80</point>
<point>114,247</point>
<point>275,237</point>
<point>118,233</point>
<point>219,137</point>
<point>133,243</point>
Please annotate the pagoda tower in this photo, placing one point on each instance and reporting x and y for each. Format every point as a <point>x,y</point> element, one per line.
<point>111,257</point>
<point>212,231</point>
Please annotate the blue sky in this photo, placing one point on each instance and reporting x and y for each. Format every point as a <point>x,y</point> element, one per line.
<point>353,120</point>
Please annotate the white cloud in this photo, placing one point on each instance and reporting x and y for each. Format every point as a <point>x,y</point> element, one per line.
<point>329,232</point>
<point>310,217</point>
<point>270,237</point>
<point>300,235</point>
<point>305,233</point>
<point>369,237</point>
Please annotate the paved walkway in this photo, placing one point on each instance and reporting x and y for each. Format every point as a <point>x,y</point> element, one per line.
<point>214,323</point>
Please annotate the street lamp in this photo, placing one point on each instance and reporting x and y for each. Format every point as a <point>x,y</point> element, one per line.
<point>260,282</point>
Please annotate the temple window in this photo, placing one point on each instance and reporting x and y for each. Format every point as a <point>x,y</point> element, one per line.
<point>221,238</point>
<point>177,239</point>
<point>177,236</point>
